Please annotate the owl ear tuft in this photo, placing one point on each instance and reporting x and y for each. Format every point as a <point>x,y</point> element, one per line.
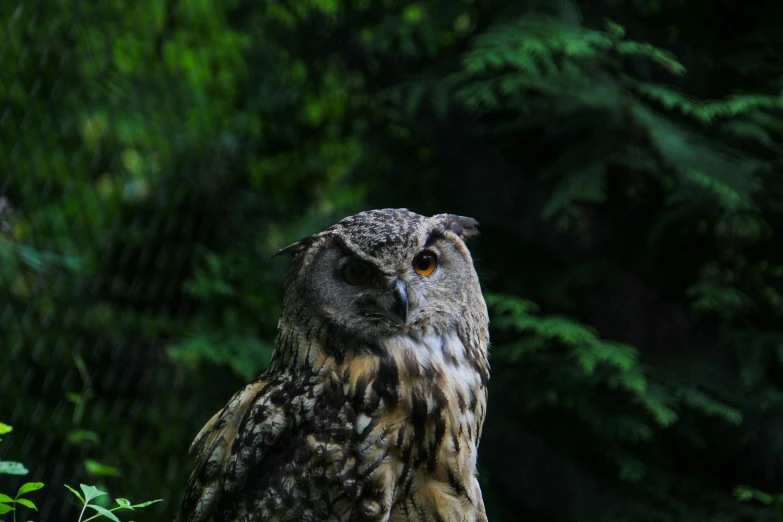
<point>295,248</point>
<point>464,227</point>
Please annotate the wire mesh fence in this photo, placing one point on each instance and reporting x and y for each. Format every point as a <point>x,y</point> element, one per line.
<point>113,139</point>
<point>86,382</point>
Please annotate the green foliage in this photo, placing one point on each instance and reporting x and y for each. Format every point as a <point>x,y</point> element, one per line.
<point>748,494</point>
<point>6,502</point>
<point>541,66</point>
<point>91,493</point>
<point>580,371</point>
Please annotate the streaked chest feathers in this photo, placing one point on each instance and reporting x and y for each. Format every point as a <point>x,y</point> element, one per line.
<point>419,414</point>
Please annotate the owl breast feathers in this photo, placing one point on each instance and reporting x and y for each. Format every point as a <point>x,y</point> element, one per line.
<point>373,404</point>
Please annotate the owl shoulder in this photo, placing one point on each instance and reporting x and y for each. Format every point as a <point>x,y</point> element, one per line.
<point>232,442</point>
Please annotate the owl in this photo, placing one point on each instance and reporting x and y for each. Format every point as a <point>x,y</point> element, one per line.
<point>373,404</point>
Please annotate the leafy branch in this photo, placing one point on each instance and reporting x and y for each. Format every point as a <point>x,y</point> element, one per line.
<point>91,492</point>
<point>6,501</point>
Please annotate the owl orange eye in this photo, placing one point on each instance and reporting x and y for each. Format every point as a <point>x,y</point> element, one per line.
<point>425,263</point>
<point>357,273</point>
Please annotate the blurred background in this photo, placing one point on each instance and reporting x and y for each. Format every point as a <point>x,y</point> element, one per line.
<point>623,157</point>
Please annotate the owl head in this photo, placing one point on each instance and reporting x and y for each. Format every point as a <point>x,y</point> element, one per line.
<point>384,272</point>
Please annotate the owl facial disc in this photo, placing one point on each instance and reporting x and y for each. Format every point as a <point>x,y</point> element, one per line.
<point>381,273</point>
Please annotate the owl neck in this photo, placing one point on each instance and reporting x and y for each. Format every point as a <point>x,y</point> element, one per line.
<point>422,375</point>
<point>428,354</point>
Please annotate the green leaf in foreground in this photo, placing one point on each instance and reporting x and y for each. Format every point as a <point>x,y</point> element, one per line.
<point>30,486</point>
<point>91,492</point>
<point>4,508</point>
<point>75,493</point>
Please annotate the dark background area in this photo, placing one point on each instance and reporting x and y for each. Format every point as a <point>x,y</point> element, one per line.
<point>623,158</point>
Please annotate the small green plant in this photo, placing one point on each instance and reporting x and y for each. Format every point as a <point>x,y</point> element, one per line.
<point>6,501</point>
<point>91,492</point>
<point>15,468</point>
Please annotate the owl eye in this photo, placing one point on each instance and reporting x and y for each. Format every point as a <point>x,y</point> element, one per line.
<point>425,263</point>
<point>357,273</point>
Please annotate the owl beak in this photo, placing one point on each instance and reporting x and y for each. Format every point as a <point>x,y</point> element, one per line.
<point>400,300</point>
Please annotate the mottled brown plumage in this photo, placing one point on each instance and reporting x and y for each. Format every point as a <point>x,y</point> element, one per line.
<point>372,406</point>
